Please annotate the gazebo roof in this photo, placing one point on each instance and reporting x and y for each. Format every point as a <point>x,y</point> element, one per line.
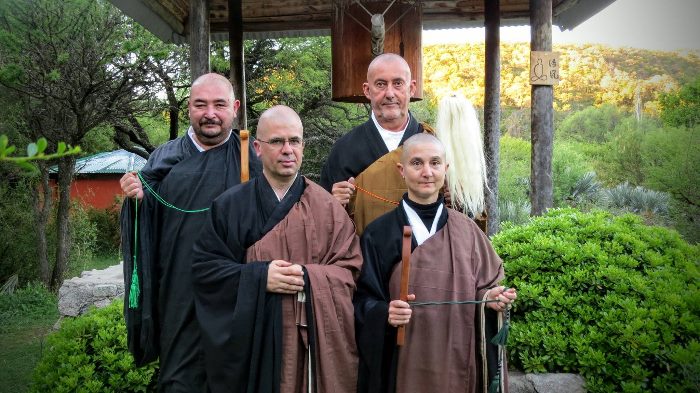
<point>168,19</point>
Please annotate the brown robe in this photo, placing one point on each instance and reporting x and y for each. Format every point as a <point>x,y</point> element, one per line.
<point>441,353</point>
<point>317,233</point>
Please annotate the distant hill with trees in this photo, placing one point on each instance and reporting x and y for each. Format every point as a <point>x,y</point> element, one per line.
<point>629,78</point>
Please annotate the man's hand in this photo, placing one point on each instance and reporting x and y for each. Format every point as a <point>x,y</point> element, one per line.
<point>400,311</point>
<point>284,277</point>
<point>131,185</point>
<point>505,298</point>
<point>343,190</point>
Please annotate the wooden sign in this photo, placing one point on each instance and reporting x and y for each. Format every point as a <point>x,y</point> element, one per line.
<point>544,68</point>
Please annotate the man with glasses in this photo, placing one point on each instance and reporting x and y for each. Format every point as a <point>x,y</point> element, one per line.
<point>274,273</point>
<point>187,173</point>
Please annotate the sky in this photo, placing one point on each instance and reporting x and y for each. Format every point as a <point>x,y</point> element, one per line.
<point>648,24</point>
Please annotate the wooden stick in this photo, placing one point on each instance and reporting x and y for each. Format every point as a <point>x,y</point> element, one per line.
<point>405,268</point>
<point>245,175</point>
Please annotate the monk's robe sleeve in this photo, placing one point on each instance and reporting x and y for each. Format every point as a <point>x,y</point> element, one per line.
<point>230,301</point>
<point>489,264</point>
<point>374,335</point>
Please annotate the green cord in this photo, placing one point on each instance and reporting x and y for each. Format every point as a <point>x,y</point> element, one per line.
<point>163,201</point>
<point>134,289</point>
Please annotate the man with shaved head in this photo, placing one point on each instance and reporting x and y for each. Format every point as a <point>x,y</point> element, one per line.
<point>451,260</point>
<point>158,229</point>
<point>274,273</point>
<point>361,169</point>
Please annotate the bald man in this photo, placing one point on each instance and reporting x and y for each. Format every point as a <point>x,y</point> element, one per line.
<point>451,260</point>
<point>188,173</point>
<point>274,273</point>
<point>366,157</point>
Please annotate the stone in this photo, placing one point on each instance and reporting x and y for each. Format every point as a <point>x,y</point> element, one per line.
<point>519,382</point>
<point>557,383</point>
<point>93,288</point>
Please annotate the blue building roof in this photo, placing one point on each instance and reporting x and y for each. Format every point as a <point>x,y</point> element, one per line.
<point>117,161</point>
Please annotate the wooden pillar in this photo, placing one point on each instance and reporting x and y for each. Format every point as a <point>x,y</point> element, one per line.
<point>492,109</point>
<point>199,37</point>
<point>235,41</point>
<point>542,133</point>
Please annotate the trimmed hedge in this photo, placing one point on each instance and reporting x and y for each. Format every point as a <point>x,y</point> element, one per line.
<point>89,354</point>
<point>606,297</point>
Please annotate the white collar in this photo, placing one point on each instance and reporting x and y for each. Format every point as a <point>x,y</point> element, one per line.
<point>420,232</point>
<point>190,132</point>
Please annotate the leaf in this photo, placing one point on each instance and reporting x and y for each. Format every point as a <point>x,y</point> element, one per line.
<point>61,147</point>
<point>41,145</point>
<point>32,149</point>
<point>28,166</point>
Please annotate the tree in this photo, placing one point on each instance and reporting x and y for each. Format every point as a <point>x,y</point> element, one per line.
<point>65,63</point>
<point>296,72</point>
<point>682,108</point>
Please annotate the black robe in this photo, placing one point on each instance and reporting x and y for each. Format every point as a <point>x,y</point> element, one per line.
<point>357,150</point>
<point>376,340</point>
<point>164,325</point>
<point>243,331</point>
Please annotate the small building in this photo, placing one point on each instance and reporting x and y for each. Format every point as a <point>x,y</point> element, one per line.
<point>96,182</point>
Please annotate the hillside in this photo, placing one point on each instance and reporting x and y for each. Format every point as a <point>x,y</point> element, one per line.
<point>590,74</point>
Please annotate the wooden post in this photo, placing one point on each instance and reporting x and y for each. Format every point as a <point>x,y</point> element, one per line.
<point>492,109</point>
<point>405,277</point>
<point>235,41</point>
<point>199,38</point>
<point>542,133</point>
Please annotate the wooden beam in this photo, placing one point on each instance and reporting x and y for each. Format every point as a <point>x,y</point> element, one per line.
<point>542,132</point>
<point>235,41</point>
<point>198,24</point>
<point>492,109</point>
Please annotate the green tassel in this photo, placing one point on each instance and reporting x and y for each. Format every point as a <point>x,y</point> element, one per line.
<point>501,338</point>
<point>134,290</point>
<point>495,385</point>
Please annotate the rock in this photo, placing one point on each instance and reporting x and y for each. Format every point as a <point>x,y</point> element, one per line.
<point>519,382</point>
<point>94,287</point>
<point>557,383</point>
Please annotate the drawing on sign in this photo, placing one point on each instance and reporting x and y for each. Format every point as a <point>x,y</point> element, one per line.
<point>538,72</point>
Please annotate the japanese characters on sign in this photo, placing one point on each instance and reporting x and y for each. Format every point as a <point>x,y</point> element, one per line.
<point>544,68</point>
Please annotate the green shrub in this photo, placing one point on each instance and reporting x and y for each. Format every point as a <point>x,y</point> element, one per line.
<point>607,297</point>
<point>89,354</point>
<point>593,124</point>
<point>32,301</point>
<point>17,228</point>
<point>106,222</point>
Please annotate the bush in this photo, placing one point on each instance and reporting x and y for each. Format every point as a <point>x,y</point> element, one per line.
<point>89,354</point>
<point>31,302</point>
<point>593,124</point>
<point>106,222</point>
<point>17,229</point>
<point>606,297</point>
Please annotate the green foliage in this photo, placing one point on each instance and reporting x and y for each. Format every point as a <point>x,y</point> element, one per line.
<point>607,297</point>
<point>32,301</point>
<point>639,200</point>
<point>592,124</point>
<point>35,151</point>
<point>514,169</point>
<point>17,237</point>
<point>569,166</point>
<point>89,354</point>
<point>83,245</point>
<point>682,108</point>
<point>106,222</point>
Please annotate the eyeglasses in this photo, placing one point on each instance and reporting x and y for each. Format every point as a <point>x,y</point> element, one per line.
<point>279,142</point>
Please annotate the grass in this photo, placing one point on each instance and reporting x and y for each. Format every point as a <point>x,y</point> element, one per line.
<point>97,262</point>
<point>26,317</point>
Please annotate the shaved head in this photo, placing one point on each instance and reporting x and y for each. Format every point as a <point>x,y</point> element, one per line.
<point>278,114</point>
<point>420,140</point>
<point>214,79</point>
<point>385,59</point>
